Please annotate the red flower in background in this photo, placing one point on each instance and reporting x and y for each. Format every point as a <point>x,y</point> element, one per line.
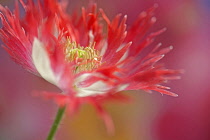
<point>87,56</point>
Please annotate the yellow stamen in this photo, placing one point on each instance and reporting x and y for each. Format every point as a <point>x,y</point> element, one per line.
<point>85,58</point>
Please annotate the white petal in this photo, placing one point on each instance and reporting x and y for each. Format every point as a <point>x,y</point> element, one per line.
<point>97,88</point>
<point>104,48</point>
<point>42,61</point>
<point>91,36</point>
<point>125,55</point>
<point>120,47</point>
<point>122,87</point>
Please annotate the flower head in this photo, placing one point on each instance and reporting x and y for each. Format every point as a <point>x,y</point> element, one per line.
<point>88,56</point>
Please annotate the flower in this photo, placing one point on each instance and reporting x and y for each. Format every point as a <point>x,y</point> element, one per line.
<point>89,57</point>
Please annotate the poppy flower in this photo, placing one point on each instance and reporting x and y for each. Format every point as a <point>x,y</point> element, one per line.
<point>88,56</point>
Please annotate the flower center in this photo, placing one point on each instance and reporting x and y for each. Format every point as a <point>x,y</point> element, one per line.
<point>85,58</point>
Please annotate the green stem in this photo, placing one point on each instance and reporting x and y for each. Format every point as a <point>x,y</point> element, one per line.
<point>56,123</point>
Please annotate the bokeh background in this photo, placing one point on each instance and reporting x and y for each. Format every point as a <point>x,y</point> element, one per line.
<point>147,116</point>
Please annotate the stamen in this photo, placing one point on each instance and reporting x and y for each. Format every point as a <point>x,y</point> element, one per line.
<point>85,58</point>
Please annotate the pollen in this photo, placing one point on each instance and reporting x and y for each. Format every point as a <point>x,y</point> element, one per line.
<point>85,58</point>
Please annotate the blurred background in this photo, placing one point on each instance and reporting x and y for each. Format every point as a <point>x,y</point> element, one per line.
<point>148,116</point>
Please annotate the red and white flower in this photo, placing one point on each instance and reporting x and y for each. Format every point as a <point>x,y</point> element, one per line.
<point>89,57</point>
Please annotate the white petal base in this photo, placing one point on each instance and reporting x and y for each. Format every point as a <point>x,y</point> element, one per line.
<point>97,88</point>
<point>41,61</point>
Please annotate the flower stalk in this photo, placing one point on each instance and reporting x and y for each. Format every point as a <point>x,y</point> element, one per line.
<point>56,123</point>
